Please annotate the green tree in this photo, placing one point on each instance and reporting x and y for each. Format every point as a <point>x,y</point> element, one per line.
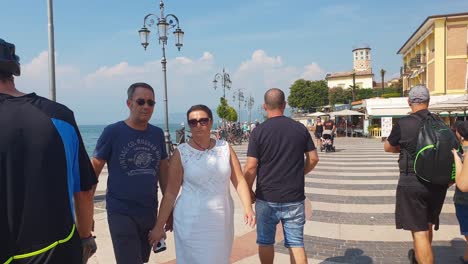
<point>307,95</point>
<point>364,94</point>
<point>232,114</point>
<point>382,75</point>
<point>339,95</point>
<point>223,109</point>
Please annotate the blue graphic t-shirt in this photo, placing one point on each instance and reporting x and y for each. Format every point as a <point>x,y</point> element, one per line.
<point>133,158</point>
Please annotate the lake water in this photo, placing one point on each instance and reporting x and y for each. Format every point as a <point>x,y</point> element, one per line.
<point>91,133</point>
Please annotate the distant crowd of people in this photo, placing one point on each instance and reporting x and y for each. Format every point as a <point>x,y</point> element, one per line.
<point>48,182</point>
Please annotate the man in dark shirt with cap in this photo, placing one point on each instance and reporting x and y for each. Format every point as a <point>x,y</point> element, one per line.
<point>418,204</point>
<point>46,178</point>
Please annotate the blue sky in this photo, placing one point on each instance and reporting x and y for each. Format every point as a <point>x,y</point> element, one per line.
<point>262,44</point>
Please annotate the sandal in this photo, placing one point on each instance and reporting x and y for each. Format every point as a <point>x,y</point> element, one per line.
<point>412,256</point>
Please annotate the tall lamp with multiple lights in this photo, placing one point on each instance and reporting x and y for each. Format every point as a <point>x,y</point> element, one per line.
<point>164,24</point>
<point>225,80</point>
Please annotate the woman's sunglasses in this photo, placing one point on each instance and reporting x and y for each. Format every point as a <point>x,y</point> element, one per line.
<point>142,102</point>
<point>203,121</point>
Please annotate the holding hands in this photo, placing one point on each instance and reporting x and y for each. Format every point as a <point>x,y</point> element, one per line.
<point>249,218</point>
<point>156,234</point>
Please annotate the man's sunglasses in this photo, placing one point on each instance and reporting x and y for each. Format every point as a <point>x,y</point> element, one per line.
<point>203,121</point>
<point>142,102</point>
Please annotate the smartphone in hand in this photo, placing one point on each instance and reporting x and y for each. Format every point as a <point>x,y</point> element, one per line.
<point>160,246</point>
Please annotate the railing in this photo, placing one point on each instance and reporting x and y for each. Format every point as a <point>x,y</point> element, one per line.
<point>413,63</point>
<point>376,132</point>
<point>420,59</point>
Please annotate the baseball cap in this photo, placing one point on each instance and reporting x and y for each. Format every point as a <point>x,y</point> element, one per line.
<point>419,94</point>
<point>9,62</point>
<point>462,128</point>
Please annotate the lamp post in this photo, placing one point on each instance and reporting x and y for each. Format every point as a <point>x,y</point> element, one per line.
<point>249,102</point>
<point>50,15</point>
<point>164,24</point>
<point>225,80</point>
<point>239,95</point>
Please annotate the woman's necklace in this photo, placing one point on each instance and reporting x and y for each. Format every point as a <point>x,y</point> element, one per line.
<point>203,148</point>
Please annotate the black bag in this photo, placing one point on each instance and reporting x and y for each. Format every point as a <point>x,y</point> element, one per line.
<point>433,159</point>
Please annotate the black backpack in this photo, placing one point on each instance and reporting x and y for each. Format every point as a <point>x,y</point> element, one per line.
<point>433,159</point>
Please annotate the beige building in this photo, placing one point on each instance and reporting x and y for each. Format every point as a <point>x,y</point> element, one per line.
<point>362,72</point>
<point>437,55</point>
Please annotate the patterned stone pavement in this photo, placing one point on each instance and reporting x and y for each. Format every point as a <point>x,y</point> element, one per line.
<point>351,194</point>
<point>360,180</point>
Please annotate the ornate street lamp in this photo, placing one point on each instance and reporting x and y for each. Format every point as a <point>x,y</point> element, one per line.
<point>249,102</point>
<point>225,80</point>
<point>164,25</point>
<point>239,96</point>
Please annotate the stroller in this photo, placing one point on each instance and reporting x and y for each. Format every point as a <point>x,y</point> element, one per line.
<point>327,141</point>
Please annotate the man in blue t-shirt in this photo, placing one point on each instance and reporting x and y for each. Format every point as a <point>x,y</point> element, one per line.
<point>136,160</point>
<point>275,156</point>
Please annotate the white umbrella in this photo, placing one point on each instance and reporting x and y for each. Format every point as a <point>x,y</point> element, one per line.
<point>317,114</point>
<point>451,105</point>
<point>347,112</point>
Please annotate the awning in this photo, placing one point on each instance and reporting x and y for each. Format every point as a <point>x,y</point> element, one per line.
<point>389,112</point>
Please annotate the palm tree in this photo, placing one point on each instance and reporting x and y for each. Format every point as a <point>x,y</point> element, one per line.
<point>382,74</point>
<point>354,86</point>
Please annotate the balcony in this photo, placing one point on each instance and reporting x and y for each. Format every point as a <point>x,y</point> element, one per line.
<point>413,63</point>
<point>420,59</point>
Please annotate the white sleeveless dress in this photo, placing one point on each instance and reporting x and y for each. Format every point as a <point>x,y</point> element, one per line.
<point>204,211</point>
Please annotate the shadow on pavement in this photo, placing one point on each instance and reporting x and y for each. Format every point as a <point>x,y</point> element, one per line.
<point>99,197</point>
<point>442,254</point>
<point>351,255</point>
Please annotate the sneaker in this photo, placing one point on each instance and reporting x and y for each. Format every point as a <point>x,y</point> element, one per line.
<point>412,256</point>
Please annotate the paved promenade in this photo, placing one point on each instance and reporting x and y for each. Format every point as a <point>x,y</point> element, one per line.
<point>350,202</point>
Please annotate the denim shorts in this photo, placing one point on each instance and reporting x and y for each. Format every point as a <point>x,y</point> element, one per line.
<point>292,217</point>
<point>462,214</point>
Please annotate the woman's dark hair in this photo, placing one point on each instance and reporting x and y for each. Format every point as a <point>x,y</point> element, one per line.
<point>200,107</point>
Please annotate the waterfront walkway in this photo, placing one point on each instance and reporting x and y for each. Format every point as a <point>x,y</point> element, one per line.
<point>350,205</point>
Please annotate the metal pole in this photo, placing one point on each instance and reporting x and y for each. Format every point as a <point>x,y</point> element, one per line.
<point>238,100</point>
<point>50,14</point>
<point>166,109</point>
<point>224,86</point>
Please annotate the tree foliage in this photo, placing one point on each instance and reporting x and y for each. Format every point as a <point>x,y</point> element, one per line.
<point>307,95</point>
<point>226,111</point>
<point>232,114</point>
<point>223,108</point>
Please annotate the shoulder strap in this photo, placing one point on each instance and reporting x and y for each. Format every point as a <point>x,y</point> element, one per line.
<point>420,118</point>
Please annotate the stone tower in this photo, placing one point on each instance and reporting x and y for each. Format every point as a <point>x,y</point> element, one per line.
<point>362,59</point>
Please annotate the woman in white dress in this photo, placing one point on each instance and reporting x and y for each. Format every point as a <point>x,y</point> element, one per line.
<point>204,211</point>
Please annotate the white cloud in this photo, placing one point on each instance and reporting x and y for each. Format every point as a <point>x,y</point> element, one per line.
<point>313,72</point>
<point>35,75</point>
<point>99,96</point>
<point>260,60</point>
<point>262,72</point>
